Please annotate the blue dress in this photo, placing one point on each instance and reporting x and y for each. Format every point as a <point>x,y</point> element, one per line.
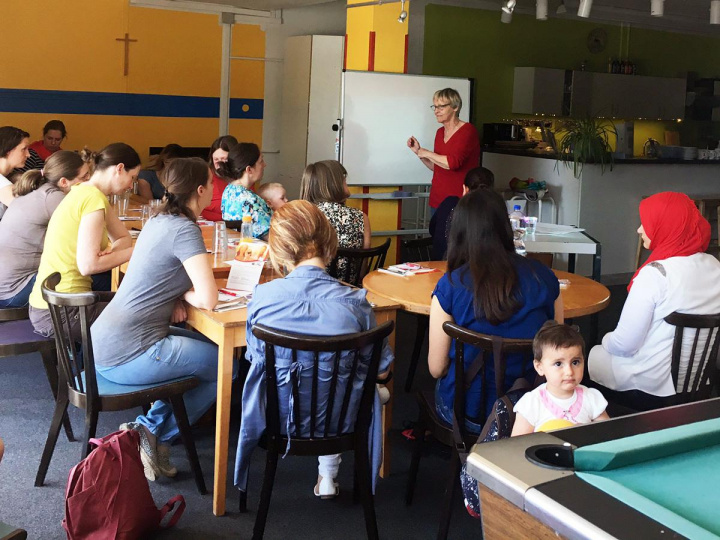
<point>538,288</point>
<point>238,201</point>
<point>307,301</point>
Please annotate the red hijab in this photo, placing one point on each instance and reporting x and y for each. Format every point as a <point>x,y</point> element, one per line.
<point>674,226</point>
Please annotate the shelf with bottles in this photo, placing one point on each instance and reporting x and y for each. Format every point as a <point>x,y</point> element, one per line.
<point>618,66</point>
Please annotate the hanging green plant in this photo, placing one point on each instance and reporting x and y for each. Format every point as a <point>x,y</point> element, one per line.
<point>586,140</point>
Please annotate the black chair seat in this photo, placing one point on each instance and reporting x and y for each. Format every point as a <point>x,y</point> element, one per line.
<point>440,429</point>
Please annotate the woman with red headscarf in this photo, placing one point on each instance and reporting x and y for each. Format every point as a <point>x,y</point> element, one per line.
<point>632,366</point>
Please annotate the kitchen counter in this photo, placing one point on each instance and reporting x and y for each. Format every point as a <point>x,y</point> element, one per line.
<point>544,154</point>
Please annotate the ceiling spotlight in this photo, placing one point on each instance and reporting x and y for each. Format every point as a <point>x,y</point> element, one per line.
<point>403,13</point>
<point>715,12</point>
<point>509,6</point>
<point>506,17</point>
<point>657,8</point>
<point>561,10</point>
<point>585,7</point>
<point>541,10</point>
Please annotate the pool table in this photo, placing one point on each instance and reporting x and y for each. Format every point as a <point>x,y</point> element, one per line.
<point>672,474</point>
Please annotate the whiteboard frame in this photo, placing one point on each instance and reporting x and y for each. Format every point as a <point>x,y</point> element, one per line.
<point>467,106</point>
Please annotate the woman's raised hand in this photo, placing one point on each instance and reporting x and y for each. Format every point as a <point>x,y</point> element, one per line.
<point>413,144</point>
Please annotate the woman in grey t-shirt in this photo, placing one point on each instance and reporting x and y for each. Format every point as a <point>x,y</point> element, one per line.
<point>133,340</point>
<point>22,229</point>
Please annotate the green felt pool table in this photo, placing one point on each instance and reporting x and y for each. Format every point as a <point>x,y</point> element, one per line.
<point>650,475</point>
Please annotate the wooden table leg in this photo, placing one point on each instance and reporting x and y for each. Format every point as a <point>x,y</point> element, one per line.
<point>381,317</point>
<point>222,422</point>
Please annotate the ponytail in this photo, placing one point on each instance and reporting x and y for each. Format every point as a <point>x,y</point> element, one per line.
<point>62,164</point>
<point>182,177</point>
<point>29,182</point>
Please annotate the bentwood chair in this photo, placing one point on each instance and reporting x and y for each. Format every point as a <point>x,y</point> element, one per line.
<point>325,436</point>
<point>696,353</point>
<point>417,250</point>
<point>352,265</point>
<point>456,435</point>
<point>17,336</point>
<point>8,532</point>
<point>85,389</point>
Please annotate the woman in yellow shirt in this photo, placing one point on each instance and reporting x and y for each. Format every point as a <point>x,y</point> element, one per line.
<point>85,236</point>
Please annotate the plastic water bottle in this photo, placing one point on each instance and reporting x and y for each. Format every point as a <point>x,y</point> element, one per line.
<point>246,229</point>
<point>517,218</point>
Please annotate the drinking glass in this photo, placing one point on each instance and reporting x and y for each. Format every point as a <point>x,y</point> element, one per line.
<point>155,203</point>
<point>530,224</point>
<point>122,203</point>
<point>221,238</point>
<point>145,213</point>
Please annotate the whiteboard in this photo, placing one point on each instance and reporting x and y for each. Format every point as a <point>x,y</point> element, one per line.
<point>380,111</point>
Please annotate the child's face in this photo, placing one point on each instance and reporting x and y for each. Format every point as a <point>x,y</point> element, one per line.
<point>563,369</point>
<point>276,198</point>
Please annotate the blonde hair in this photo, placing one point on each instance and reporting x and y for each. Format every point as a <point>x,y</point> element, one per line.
<point>300,231</point>
<point>451,95</point>
<point>264,188</point>
<point>323,182</point>
<point>62,164</point>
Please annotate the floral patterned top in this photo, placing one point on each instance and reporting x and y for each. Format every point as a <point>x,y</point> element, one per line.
<point>349,223</point>
<point>238,201</point>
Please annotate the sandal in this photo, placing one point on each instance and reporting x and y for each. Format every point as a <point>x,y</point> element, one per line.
<point>326,488</point>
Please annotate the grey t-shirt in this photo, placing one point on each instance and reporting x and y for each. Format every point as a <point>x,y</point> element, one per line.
<point>139,314</point>
<point>22,236</point>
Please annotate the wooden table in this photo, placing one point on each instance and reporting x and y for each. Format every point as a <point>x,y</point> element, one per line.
<point>582,297</point>
<point>227,330</point>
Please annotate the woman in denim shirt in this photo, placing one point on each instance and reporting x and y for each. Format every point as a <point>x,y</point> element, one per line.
<point>245,166</point>
<point>307,301</point>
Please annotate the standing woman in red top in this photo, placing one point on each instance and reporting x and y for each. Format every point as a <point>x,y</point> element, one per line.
<point>218,154</point>
<point>456,150</point>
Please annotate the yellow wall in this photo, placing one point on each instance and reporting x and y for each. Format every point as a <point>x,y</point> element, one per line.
<point>177,53</point>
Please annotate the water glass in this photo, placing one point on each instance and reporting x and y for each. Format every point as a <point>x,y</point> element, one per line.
<point>530,224</point>
<point>155,203</point>
<point>145,213</point>
<point>221,238</point>
<point>122,203</point>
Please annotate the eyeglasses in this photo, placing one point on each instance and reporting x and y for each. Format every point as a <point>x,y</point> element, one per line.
<point>441,107</point>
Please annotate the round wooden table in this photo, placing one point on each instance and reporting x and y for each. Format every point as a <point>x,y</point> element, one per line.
<point>582,297</point>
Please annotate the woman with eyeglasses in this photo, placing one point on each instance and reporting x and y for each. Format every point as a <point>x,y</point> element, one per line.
<point>456,150</point>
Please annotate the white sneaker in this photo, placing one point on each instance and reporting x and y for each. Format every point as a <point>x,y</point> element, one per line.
<point>326,488</point>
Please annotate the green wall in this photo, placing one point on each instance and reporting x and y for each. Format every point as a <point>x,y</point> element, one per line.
<point>465,42</point>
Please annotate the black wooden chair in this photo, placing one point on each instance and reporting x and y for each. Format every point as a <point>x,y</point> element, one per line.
<point>324,438</point>
<point>699,375</point>
<point>17,336</point>
<point>459,439</point>
<point>87,390</point>
<point>417,250</point>
<point>352,265</point>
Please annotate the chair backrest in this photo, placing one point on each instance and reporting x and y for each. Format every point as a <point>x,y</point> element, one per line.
<point>694,372</point>
<point>70,362</point>
<point>320,421</point>
<point>417,250</point>
<point>352,265</point>
<point>495,345</point>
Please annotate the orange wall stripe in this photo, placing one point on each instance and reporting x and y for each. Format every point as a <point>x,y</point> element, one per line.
<point>371,53</point>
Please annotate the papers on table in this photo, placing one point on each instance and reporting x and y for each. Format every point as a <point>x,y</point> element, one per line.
<point>552,228</point>
<point>229,299</point>
<point>406,269</point>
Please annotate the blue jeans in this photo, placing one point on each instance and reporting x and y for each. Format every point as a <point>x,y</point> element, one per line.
<point>22,298</point>
<point>180,354</point>
<point>446,411</point>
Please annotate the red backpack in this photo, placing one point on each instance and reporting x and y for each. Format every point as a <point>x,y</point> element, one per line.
<point>108,496</point>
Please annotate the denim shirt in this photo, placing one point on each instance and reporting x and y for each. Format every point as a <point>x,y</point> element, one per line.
<point>238,201</point>
<point>308,301</point>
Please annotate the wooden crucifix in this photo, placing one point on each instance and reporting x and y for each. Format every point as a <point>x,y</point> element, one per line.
<point>127,42</point>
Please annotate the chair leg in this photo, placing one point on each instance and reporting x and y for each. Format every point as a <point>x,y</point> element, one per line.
<point>178,406</point>
<point>364,481</point>
<point>91,418</point>
<point>419,432</point>
<point>49,359</point>
<point>450,496</point>
<point>266,492</point>
<point>145,408</point>
<point>420,334</point>
<point>61,406</point>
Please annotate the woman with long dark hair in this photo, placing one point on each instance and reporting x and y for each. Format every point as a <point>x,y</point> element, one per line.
<point>488,288</point>
<point>218,154</point>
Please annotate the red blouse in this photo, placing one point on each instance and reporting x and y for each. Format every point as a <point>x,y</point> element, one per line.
<point>214,212</point>
<point>41,151</point>
<point>463,154</point>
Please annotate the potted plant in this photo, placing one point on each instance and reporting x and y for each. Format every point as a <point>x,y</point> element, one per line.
<point>586,140</point>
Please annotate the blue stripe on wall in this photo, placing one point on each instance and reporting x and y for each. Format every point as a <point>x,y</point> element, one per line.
<point>109,103</point>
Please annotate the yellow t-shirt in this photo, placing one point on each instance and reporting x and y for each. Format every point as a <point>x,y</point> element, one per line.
<point>60,250</point>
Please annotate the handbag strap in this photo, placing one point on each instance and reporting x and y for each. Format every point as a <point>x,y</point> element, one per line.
<point>176,515</point>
